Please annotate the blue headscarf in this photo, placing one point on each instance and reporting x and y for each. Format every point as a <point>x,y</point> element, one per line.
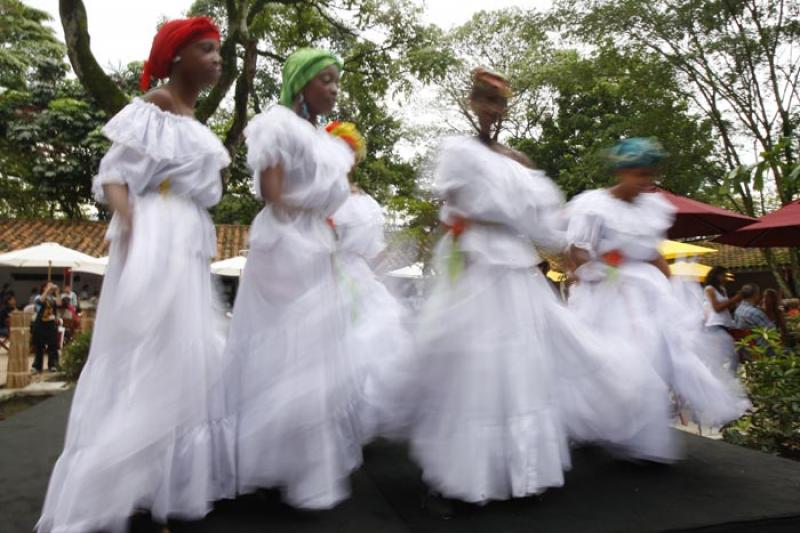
<point>636,152</point>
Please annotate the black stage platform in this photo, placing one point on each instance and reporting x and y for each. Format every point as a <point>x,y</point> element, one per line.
<point>718,488</point>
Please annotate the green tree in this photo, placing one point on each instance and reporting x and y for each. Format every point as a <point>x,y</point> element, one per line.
<point>513,42</point>
<point>384,45</point>
<point>737,61</point>
<point>49,144</point>
<point>568,106</point>
<point>601,97</point>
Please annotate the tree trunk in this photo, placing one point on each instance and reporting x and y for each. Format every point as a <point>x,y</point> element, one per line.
<point>96,82</point>
<point>794,260</point>
<point>244,86</point>
<point>236,27</point>
<point>777,274</point>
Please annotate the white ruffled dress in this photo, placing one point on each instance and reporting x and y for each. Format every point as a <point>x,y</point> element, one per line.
<point>503,372</point>
<point>377,335</point>
<point>146,429</point>
<point>637,302</point>
<point>293,384</point>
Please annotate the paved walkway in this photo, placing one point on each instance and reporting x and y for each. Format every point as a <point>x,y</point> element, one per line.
<point>719,487</point>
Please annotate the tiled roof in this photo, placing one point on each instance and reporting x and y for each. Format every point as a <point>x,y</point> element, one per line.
<point>231,239</point>
<point>741,259</point>
<point>88,237</point>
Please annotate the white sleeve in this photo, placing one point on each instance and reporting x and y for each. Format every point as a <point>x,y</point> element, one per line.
<point>271,141</point>
<point>126,166</point>
<point>541,215</point>
<point>583,231</point>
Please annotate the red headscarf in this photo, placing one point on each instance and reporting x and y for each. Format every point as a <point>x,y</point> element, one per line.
<point>171,37</point>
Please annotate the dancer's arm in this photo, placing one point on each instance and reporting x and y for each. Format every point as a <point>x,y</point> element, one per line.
<point>661,264</point>
<point>117,198</point>
<point>271,181</point>
<point>577,256</point>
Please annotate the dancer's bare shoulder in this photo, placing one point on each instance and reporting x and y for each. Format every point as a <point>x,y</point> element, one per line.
<point>516,155</point>
<point>163,99</point>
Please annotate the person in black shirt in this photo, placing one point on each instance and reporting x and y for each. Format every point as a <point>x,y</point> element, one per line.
<point>45,329</point>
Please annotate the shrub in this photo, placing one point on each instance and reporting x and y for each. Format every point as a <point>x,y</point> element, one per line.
<point>74,355</point>
<point>772,378</point>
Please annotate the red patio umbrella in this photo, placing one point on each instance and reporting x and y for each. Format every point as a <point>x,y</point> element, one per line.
<point>779,228</point>
<point>696,219</point>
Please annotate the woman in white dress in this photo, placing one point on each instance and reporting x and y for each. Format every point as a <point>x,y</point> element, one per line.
<point>146,430</point>
<point>378,337</point>
<point>504,374</point>
<point>293,383</point>
<point>717,307</point>
<point>623,286</point>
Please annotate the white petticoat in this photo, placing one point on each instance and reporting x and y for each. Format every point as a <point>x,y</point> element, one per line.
<point>379,341</point>
<point>146,429</point>
<point>293,383</point>
<point>638,303</point>
<point>504,376</point>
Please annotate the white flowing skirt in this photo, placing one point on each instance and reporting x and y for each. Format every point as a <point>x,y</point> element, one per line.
<point>503,377</point>
<point>146,429</point>
<point>380,342</point>
<point>293,384</point>
<point>639,304</point>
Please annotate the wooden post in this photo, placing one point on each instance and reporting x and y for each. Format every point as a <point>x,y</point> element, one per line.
<point>19,371</point>
<point>87,319</point>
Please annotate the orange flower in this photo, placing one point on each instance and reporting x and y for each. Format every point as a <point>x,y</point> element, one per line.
<point>348,132</point>
<point>458,226</point>
<point>613,258</point>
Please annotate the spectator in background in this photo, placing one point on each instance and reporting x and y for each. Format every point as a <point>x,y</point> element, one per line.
<point>717,305</point>
<point>8,306</point>
<point>34,295</point>
<point>772,309</point>
<point>748,315</point>
<point>45,328</point>
<point>68,292</point>
<point>69,317</point>
<point>5,291</point>
<point>84,293</point>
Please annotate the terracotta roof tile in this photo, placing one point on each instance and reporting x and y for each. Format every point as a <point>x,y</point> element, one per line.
<point>741,259</point>
<point>88,236</point>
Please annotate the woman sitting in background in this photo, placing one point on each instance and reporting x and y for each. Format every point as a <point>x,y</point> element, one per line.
<point>772,307</point>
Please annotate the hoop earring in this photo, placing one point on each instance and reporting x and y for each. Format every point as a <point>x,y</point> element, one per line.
<point>304,112</point>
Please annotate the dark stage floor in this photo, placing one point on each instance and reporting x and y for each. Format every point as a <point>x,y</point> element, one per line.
<point>719,487</point>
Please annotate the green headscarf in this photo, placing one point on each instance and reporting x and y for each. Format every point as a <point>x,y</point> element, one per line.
<point>300,68</point>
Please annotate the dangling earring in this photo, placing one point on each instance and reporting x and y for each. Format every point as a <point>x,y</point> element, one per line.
<point>303,107</point>
<point>176,59</point>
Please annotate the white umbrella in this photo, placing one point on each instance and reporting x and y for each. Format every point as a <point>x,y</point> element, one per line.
<point>98,267</point>
<point>410,271</point>
<point>48,255</point>
<point>229,267</point>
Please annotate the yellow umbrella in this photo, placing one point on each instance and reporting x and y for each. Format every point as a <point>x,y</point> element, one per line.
<point>689,270</point>
<point>675,249</point>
